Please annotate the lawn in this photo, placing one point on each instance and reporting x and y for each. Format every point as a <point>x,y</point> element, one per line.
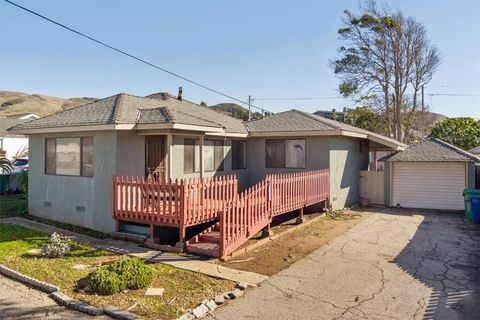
<point>13,205</point>
<point>183,289</point>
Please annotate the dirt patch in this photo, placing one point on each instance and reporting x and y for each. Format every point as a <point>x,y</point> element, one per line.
<point>278,254</point>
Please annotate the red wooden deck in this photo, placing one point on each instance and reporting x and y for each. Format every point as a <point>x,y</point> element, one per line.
<point>187,203</point>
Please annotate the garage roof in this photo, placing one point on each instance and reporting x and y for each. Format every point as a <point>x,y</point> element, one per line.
<point>432,150</point>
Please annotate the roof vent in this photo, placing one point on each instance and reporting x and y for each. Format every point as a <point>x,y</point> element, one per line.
<point>180,92</point>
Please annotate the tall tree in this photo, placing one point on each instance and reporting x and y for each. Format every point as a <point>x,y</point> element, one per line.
<point>463,132</point>
<point>387,54</point>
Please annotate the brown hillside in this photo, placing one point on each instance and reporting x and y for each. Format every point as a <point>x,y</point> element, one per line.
<point>18,102</point>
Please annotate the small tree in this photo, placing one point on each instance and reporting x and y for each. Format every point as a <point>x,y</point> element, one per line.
<point>5,165</point>
<point>366,118</point>
<point>463,132</point>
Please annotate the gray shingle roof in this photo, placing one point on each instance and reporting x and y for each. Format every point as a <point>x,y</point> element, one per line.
<point>475,151</point>
<point>432,150</point>
<point>295,120</point>
<point>7,123</point>
<point>127,109</point>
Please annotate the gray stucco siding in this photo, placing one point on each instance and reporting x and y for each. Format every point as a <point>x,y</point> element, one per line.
<point>84,201</point>
<point>346,161</point>
<point>471,175</point>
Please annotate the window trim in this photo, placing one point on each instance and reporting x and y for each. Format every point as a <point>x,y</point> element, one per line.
<point>246,155</point>
<point>81,157</point>
<point>285,167</point>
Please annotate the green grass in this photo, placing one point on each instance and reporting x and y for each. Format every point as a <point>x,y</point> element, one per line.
<point>183,289</point>
<point>13,205</point>
<point>16,205</point>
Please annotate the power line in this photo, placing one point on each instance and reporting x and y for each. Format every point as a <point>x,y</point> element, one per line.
<point>132,55</point>
<point>300,98</point>
<point>454,94</point>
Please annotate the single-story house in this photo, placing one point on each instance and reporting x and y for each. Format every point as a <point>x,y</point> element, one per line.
<point>14,143</point>
<point>76,154</point>
<point>429,175</point>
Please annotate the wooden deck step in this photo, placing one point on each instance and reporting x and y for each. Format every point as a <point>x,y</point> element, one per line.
<point>204,248</point>
<point>211,237</point>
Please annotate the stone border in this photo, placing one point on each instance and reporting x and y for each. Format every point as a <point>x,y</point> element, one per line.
<point>208,306</point>
<point>37,284</point>
<point>65,300</point>
<point>265,240</point>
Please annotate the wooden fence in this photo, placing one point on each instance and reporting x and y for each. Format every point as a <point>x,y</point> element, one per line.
<point>276,194</point>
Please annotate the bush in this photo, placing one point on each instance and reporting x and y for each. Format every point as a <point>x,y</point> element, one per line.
<point>103,281</point>
<point>58,246</point>
<point>134,272</point>
<point>131,274</point>
<point>23,181</point>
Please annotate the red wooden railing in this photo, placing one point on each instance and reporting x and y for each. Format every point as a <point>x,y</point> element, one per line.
<point>276,194</point>
<point>175,203</point>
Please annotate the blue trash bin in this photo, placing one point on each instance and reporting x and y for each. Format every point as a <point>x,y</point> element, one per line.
<point>475,200</point>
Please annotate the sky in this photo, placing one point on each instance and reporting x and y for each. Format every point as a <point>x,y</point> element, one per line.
<point>266,49</point>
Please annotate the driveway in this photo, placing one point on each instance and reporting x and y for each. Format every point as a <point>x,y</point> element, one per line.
<point>18,301</point>
<point>396,264</point>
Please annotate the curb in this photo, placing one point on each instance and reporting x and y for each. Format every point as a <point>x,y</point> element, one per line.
<point>208,306</point>
<point>37,284</point>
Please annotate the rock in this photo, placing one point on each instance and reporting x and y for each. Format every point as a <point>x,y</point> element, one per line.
<point>120,314</point>
<point>61,298</point>
<point>80,267</point>
<point>211,305</point>
<point>200,311</point>
<point>235,294</point>
<point>156,292</point>
<point>187,316</point>
<point>86,308</point>
<point>242,286</point>
<point>219,299</point>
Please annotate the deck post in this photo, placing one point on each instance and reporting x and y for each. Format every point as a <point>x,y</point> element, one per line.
<point>267,231</point>
<point>300,218</point>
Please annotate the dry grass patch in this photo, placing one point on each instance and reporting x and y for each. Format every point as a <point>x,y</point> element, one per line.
<point>278,254</point>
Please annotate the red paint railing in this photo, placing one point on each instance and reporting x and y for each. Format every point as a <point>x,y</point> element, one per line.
<point>277,194</point>
<point>173,203</point>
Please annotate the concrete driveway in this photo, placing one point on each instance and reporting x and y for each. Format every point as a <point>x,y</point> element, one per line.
<point>396,264</point>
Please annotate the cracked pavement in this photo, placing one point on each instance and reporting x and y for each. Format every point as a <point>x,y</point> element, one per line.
<point>396,264</point>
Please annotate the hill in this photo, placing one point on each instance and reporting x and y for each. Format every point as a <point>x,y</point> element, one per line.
<point>18,102</point>
<point>235,110</point>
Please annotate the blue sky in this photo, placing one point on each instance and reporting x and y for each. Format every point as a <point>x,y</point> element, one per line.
<point>263,48</point>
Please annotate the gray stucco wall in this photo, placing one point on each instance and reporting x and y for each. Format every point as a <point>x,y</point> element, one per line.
<point>84,201</point>
<point>387,183</point>
<point>346,161</point>
<point>340,154</point>
<point>471,175</point>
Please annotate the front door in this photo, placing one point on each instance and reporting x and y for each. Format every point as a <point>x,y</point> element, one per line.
<point>155,156</point>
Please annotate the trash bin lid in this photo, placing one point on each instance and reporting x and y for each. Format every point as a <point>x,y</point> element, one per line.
<point>471,191</point>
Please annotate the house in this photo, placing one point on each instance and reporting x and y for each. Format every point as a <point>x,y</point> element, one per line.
<point>14,143</point>
<point>429,175</point>
<point>80,158</point>
<point>334,114</point>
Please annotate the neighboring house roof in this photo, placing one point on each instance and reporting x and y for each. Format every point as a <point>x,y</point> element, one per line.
<point>7,123</point>
<point>303,122</point>
<point>124,109</point>
<point>432,150</point>
<point>475,151</point>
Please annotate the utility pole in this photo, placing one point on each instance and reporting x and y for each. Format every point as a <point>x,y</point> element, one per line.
<point>423,113</point>
<point>249,104</point>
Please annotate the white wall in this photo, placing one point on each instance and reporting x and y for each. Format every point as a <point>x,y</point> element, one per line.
<point>13,144</point>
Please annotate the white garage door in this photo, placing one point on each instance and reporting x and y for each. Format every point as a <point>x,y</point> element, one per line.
<point>429,185</point>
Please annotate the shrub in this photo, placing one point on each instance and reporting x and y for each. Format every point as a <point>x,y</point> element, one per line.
<point>134,272</point>
<point>23,181</point>
<point>131,274</point>
<point>57,247</point>
<point>103,281</point>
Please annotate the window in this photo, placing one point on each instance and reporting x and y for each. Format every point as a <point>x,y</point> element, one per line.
<point>212,152</point>
<point>239,154</point>
<point>191,156</point>
<point>285,153</point>
<point>69,156</point>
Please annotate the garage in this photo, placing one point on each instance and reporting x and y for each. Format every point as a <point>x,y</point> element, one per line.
<point>430,175</point>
